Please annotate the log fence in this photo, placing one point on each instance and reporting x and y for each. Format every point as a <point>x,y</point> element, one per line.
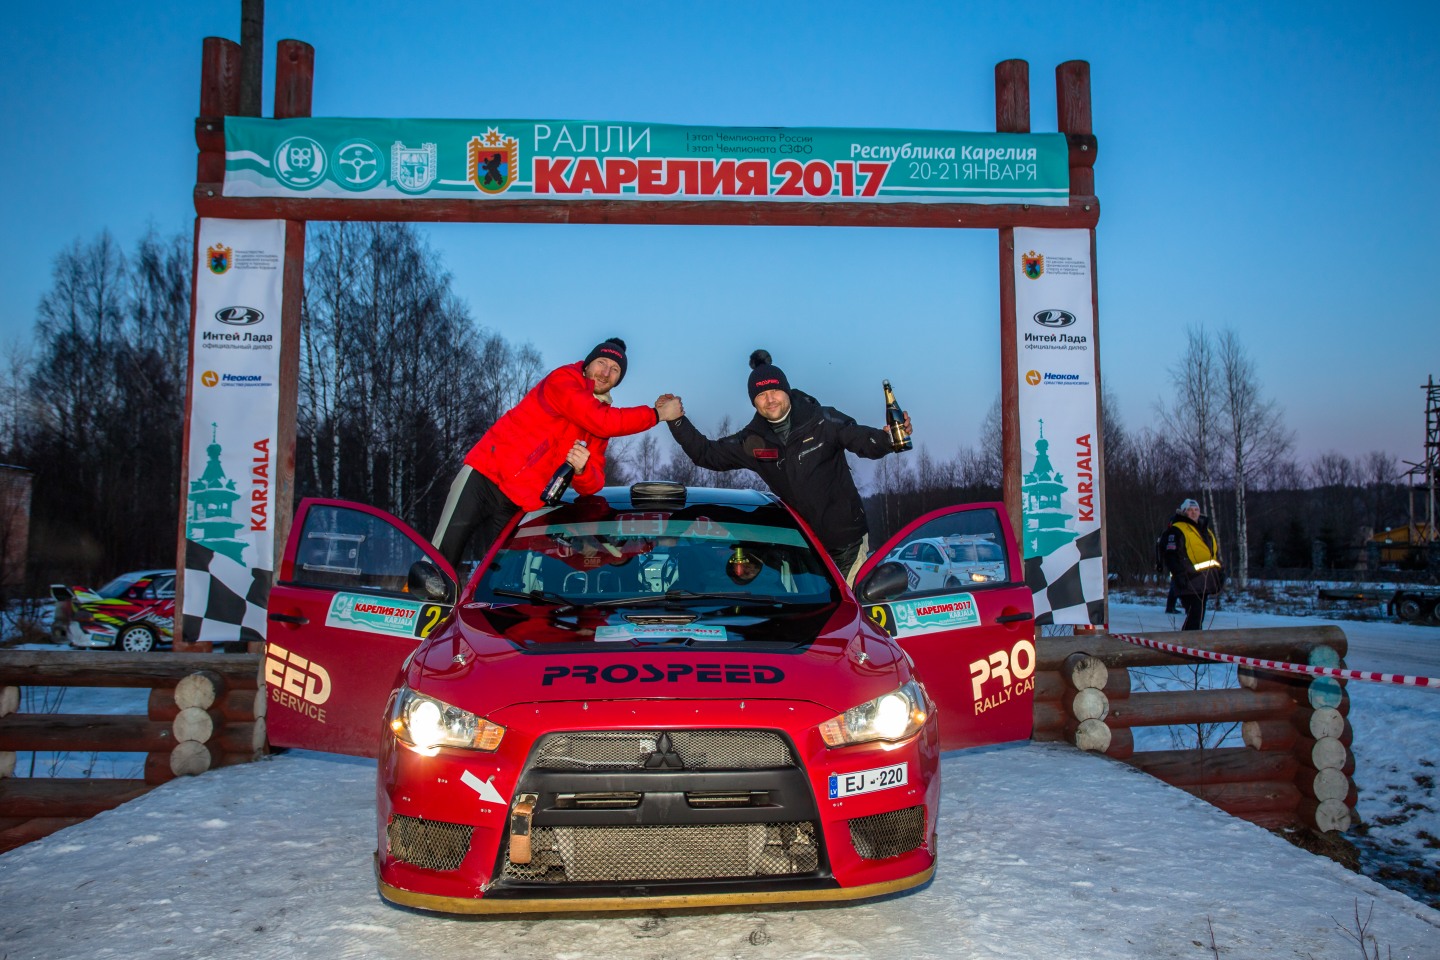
<point>204,711</point>
<point>1295,768</point>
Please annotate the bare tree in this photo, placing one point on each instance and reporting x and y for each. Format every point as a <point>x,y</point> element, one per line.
<point>1191,414</point>
<point>1252,431</point>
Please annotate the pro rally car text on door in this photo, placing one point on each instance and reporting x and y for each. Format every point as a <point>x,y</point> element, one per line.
<point>653,697</point>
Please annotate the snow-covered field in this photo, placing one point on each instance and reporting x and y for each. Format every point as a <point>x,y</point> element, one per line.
<point>1046,852</point>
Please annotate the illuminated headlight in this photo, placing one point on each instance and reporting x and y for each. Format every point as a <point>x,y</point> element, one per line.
<point>895,716</point>
<point>427,723</point>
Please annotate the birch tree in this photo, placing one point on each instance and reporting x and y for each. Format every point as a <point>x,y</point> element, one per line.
<point>1253,433</point>
<point>1191,414</point>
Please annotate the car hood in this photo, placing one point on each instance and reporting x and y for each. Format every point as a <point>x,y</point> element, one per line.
<point>484,662</point>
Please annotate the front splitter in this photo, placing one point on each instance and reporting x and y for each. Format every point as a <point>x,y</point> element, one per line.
<point>422,901</point>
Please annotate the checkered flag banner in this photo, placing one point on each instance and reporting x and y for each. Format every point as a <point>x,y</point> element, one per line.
<point>235,597</point>
<point>1068,585</point>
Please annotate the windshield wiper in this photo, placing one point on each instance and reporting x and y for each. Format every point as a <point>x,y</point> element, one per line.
<point>537,596</point>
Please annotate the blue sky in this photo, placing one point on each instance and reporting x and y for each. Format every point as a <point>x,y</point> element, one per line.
<point>1270,168</point>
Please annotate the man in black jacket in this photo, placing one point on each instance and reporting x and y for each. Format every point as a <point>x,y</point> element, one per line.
<point>1192,554</point>
<point>798,448</point>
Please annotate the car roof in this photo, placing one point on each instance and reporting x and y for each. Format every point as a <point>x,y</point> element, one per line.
<point>638,496</point>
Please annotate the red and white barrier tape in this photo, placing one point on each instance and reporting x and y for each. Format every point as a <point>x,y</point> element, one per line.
<point>1395,678</point>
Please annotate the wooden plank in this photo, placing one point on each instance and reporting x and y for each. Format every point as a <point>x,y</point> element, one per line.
<point>117,733</point>
<point>1169,708</point>
<point>1269,643</point>
<point>1223,765</point>
<point>66,797</point>
<point>42,668</point>
<point>1248,797</point>
<point>1081,212</point>
<point>32,829</point>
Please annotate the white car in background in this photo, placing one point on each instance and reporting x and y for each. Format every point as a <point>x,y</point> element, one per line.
<point>939,563</point>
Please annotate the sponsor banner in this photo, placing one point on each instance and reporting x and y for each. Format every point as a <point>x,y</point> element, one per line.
<point>587,160</point>
<point>234,400</point>
<point>1059,448</point>
<point>950,612</point>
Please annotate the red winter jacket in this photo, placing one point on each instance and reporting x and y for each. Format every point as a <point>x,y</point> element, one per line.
<point>525,447</point>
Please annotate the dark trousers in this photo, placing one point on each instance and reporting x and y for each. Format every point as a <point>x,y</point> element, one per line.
<point>1173,595</point>
<point>1194,604</point>
<point>475,504</point>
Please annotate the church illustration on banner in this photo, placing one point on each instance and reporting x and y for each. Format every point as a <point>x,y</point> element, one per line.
<point>209,517</point>
<point>1047,526</point>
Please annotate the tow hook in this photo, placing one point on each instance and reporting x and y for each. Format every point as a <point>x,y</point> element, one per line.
<point>520,816</point>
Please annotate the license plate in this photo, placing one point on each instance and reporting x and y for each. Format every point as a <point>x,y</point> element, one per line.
<point>868,781</point>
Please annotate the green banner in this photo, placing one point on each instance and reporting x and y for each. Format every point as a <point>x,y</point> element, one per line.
<point>588,160</point>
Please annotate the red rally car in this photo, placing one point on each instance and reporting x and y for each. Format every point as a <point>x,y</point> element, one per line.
<point>658,696</point>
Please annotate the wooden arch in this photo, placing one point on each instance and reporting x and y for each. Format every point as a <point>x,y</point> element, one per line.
<point>221,94</point>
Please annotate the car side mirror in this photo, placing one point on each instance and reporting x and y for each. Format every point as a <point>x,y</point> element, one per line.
<point>885,582</point>
<point>427,582</point>
<point>61,592</point>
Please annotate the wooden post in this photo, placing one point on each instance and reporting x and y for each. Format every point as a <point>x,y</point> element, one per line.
<point>252,45</point>
<point>294,81</point>
<point>1012,115</point>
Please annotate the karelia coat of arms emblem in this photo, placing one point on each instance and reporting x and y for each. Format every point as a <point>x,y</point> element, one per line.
<point>492,161</point>
<point>219,258</point>
<point>1033,264</point>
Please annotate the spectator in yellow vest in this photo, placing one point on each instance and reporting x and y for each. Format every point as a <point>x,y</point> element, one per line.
<point>1192,555</point>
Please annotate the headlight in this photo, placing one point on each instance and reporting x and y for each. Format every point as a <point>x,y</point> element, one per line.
<point>894,716</point>
<point>427,723</point>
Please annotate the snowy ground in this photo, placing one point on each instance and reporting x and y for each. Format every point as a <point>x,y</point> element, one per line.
<point>1046,852</point>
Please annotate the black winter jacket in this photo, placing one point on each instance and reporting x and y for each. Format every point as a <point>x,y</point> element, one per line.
<point>1189,581</point>
<point>807,470</point>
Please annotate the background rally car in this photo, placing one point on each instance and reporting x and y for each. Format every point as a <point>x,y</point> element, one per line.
<point>652,697</point>
<point>134,612</point>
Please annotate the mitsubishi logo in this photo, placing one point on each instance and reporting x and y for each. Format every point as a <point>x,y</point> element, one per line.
<point>664,757</point>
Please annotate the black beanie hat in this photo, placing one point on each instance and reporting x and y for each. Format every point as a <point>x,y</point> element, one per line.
<point>611,349</point>
<point>764,375</point>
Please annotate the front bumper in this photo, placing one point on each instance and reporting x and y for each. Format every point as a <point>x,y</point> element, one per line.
<point>606,836</point>
<point>91,635</point>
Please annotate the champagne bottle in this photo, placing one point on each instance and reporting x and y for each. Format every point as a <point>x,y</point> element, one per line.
<point>895,422</point>
<point>560,482</point>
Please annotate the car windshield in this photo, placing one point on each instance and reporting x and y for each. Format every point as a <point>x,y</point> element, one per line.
<point>982,551</point>
<point>119,585</point>
<point>588,553</point>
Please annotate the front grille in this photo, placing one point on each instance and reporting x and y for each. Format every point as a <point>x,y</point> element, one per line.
<point>890,834</point>
<point>631,749</point>
<point>672,852</point>
<point>432,844</point>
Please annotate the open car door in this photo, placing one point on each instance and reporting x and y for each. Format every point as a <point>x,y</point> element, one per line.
<point>341,621</point>
<point>965,617</point>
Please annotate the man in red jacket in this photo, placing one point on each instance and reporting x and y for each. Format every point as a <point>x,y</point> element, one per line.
<point>509,468</point>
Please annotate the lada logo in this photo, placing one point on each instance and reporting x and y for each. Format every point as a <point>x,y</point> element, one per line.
<point>239,316</point>
<point>1054,318</point>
